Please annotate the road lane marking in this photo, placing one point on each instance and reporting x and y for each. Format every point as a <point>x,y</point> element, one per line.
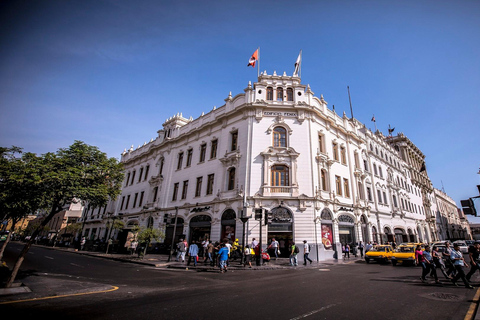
<point>473,306</point>
<point>49,257</point>
<point>313,312</point>
<point>61,296</point>
<point>76,265</point>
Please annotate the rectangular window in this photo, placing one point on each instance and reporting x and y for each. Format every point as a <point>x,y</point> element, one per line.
<point>395,204</point>
<point>385,198</point>
<point>155,194</point>
<point>123,201</point>
<point>198,187</point>
<point>162,161</point>
<point>189,157</point>
<point>146,172</point>
<point>357,162</point>
<point>213,151</point>
<point>133,178</point>
<point>379,194</point>
<point>180,161</point>
<point>135,200</point>
<point>338,184</point>
<point>175,191</point>
<point>369,194</point>
<point>128,179</point>
<point>321,143</point>
<point>185,189</point>
<point>335,151</point>
<point>128,200</point>
<point>210,183</point>
<point>203,151</point>
<point>365,165</point>
<point>346,189</point>
<point>234,137</point>
<point>140,202</point>
<point>343,155</point>
<point>140,174</point>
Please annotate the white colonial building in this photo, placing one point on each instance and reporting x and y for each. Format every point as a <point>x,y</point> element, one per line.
<point>276,147</point>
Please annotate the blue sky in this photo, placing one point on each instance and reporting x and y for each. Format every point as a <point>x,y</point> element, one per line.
<point>110,72</point>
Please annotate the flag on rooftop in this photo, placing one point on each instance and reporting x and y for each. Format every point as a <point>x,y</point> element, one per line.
<point>253,59</point>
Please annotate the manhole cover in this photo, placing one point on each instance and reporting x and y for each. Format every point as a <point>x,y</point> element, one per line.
<point>441,296</point>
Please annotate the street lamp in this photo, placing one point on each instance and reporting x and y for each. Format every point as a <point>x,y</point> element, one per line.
<point>315,221</point>
<point>244,220</point>
<point>173,237</point>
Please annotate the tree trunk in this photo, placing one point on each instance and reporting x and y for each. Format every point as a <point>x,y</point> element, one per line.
<point>27,246</point>
<point>2,250</point>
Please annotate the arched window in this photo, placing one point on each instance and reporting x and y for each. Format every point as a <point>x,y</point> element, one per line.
<point>289,94</point>
<point>279,94</point>
<point>279,137</point>
<point>231,179</point>
<point>280,176</point>
<point>269,93</point>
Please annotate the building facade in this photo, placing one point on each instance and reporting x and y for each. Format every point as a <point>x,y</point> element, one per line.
<point>276,148</point>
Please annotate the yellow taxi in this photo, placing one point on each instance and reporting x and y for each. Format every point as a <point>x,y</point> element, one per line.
<point>404,254</point>
<point>380,253</point>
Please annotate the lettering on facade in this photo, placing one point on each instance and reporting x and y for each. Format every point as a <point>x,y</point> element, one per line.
<point>200,209</point>
<point>284,114</point>
<point>345,209</point>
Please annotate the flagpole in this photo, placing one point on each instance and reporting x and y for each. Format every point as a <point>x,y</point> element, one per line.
<point>258,67</point>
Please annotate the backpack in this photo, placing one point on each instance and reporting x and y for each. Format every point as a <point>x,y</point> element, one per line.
<point>296,250</point>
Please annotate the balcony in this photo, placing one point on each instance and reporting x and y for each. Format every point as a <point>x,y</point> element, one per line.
<point>280,191</point>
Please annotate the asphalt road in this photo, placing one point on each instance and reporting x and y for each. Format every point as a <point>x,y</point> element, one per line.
<point>94,288</point>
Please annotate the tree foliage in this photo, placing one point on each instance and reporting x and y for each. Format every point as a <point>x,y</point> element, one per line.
<point>53,180</point>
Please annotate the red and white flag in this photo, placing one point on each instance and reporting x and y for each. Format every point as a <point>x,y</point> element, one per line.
<point>253,59</point>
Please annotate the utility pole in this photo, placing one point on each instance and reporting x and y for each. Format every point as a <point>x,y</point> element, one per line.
<point>173,237</point>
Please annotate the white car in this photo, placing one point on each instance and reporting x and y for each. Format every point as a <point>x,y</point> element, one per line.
<point>462,244</point>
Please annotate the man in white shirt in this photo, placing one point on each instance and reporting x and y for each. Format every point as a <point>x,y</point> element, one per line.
<point>274,246</point>
<point>306,251</point>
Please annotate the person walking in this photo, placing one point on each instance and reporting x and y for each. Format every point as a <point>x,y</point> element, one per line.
<point>306,251</point>
<point>448,261</point>
<point>293,254</point>
<point>459,263</point>
<point>193,253</point>
<point>428,265</point>
<point>248,256</point>
<point>360,248</point>
<point>274,246</point>
<point>437,259</point>
<point>181,250</point>
<point>347,251</point>
<point>209,256</point>
<point>223,257</point>
<point>473,253</point>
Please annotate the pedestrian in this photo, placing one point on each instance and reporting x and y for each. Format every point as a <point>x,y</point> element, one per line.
<point>193,253</point>
<point>418,255</point>
<point>428,265</point>
<point>133,246</point>
<point>360,247</point>
<point>474,253</point>
<point>437,259</point>
<point>448,260</point>
<point>306,251</point>
<point>223,257</point>
<point>254,243</point>
<point>368,246</point>
<point>210,249</point>
<point>82,243</point>
<point>293,254</point>
<point>459,263</point>
<point>181,250</point>
<point>347,251</point>
<point>274,246</point>
<point>248,256</point>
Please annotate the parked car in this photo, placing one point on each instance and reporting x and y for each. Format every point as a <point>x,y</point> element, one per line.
<point>380,253</point>
<point>469,242</point>
<point>462,244</point>
<point>404,254</point>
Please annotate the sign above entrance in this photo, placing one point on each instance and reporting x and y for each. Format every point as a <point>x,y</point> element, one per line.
<point>200,209</point>
<point>283,114</point>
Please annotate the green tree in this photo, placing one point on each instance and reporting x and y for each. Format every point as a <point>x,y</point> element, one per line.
<point>145,236</point>
<point>81,172</point>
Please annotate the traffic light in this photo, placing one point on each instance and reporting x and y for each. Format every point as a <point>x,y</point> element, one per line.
<point>258,214</point>
<point>468,207</point>
<point>266,216</point>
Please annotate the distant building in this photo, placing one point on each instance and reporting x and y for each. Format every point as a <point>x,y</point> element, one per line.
<point>450,221</point>
<point>321,176</point>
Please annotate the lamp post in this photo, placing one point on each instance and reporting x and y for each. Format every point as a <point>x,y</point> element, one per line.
<point>244,220</point>
<point>173,237</point>
<point>315,221</point>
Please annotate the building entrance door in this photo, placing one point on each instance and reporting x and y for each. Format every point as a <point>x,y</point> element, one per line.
<point>280,227</point>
